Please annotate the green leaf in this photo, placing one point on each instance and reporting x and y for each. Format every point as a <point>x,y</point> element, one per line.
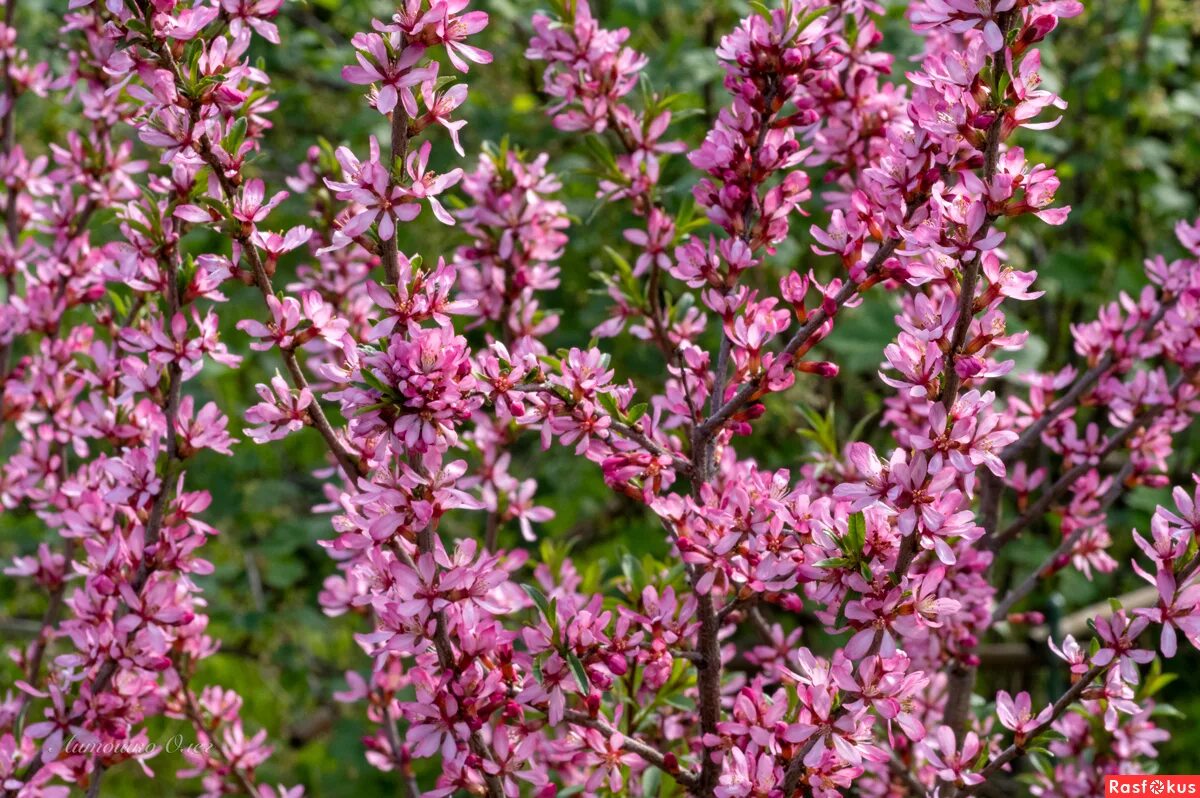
<point>1042,765</point>
<point>601,152</point>
<point>120,308</point>
<point>651,782</point>
<point>1166,711</point>
<point>579,671</point>
<point>1157,683</point>
<point>636,412</point>
<point>609,402</point>
<point>856,532</point>
<point>236,135</point>
<point>539,599</point>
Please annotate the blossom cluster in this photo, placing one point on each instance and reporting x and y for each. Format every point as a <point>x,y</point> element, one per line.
<point>518,674</point>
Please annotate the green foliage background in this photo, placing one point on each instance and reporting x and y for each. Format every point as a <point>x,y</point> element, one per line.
<point>1128,151</point>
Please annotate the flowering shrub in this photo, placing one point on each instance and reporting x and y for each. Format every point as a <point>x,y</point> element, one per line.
<point>422,373</point>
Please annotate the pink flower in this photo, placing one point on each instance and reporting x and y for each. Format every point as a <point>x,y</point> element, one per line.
<point>1017,715</point>
<point>952,764</point>
<point>1117,636</point>
<point>382,60</point>
<point>281,412</point>
<point>427,185</point>
<point>960,16</point>
<point>250,208</point>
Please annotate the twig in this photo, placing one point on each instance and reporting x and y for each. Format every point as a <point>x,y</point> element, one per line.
<point>154,521</point>
<point>446,658</point>
<point>815,321</point>
<point>1063,703</point>
<point>992,488</point>
<point>646,752</point>
<point>388,251</point>
<point>1060,706</point>
<point>961,682</point>
<point>910,781</point>
<point>1068,544</point>
<point>1064,483</point>
<point>44,632</point>
<point>8,141</point>
<point>1084,383</point>
<point>193,714</point>
<point>627,431</point>
<point>97,774</point>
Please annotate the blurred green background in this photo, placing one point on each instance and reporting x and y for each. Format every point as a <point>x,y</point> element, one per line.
<point>1128,152</point>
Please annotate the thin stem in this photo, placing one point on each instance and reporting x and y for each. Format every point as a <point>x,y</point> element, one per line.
<point>348,463</point>
<point>992,488</point>
<point>721,367</point>
<point>750,391</point>
<point>388,252</point>
<point>49,621</point>
<point>97,774</point>
<point>626,431</point>
<point>447,658</point>
<point>1068,544</point>
<point>645,751</point>
<point>192,711</point>
<point>915,787</point>
<point>1063,703</point>
<point>1064,483</point>
<point>154,521</point>
<point>951,382</point>
<point>1079,388</point>
<point>961,675</point>
<point>8,142</point>
<point>795,768</point>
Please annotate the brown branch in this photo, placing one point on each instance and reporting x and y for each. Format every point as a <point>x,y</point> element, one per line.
<point>642,749</point>
<point>447,658</point>
<point>1084,383</point>
<point>388,249</point>
<point>992,488</point>
<point>721,367</point>
<point>8,141</point>
<point>96,777</point>
<point>348,463</point>
<point>1064,548</point>
<point>898,766</point>
<point>795,768</point>
<point>627,431</point>
<point>192,711</point>
<point>748,392</point>
<point>1063,703</point>
<point>104,676</point>
<point>45,631</point>
<point>951,382</point>
<point>1064,483</point>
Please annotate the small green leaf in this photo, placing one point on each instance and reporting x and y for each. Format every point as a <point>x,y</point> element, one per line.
<point>651,782</point>
<point>579,671</point>
<point>1166,711</point>
<point>609,402</point>
<point>856,532</point>
<point>636,412</point>
<point>539,598</point>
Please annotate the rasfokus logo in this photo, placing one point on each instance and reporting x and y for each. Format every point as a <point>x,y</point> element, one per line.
<point>1151,785</point>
